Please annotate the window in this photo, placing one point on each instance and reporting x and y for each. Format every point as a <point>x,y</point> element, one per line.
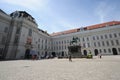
<point>101,36</point>
<point>42,47</point>
<point>115,35</point>
<point>59,42</point>
<point>88,44</point>
<point>83,39</point>
<point>103,43</point>
<point>99,44</point>
<point>59,47</point>
<point>93,37</point>
<point>87,39</point>
<point>112,42</point>
<point>30,32</point>
<point>56,43</point>
<point>107,43</point>
<point>117,42</point>
<point>97,37</point>
<point>104,50</point>
<point>62,42</point>
<point>110,35</point>
<point>84,45</point>
<point>106,37</point>
<point>95,44</point>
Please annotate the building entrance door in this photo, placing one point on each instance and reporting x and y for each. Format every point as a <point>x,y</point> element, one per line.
<point>96,52</point>
<point>114,51</point>
<point>27,54</point>
<point>85,52</point>
<point>53,54</point>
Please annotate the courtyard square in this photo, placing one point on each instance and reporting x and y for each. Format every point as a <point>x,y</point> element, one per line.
<point>107,68</point>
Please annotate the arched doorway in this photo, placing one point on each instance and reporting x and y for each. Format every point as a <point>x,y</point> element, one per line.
<point>53,54</point>
<point>62,54</point>
<point>85,52</point>
<point>27,54</point>
<point>114,50</point>
<point>96,52</point>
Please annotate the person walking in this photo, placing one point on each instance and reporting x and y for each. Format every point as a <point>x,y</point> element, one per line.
<point>70,58</point>
<point>100,55</point>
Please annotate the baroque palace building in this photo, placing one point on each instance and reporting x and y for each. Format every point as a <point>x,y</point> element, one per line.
<point>19,33</point>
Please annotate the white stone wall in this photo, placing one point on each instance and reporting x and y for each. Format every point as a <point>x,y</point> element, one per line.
<point>90,34</point>
<point>4,28</point>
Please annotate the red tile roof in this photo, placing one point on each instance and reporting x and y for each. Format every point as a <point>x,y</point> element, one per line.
<point>103,25</point>
<point>65,32</point>
<point>87,28</point>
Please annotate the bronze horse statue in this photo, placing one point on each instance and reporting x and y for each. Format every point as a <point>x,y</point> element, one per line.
<point>74,40</point>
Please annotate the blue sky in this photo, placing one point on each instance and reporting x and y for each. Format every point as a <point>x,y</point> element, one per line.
<point>59,15</point>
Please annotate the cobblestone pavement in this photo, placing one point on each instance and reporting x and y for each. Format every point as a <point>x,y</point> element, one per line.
<point>107,68</point>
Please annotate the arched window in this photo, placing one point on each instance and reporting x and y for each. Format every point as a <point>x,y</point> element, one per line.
<point>104,50</point>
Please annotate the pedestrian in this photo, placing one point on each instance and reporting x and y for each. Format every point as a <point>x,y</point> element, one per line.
<point>34,54</point>
<point>100,55</point>
<point>70,58</point>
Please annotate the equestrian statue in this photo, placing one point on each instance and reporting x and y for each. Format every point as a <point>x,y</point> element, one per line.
<point>74,40</point>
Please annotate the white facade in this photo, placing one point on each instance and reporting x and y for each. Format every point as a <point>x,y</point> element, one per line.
<point>5,21</point>
<point>102,40</point>
<point>19,33</point>
<point>21,29</point>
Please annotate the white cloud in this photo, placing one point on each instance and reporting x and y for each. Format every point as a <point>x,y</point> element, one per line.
<point>29,4</point>
<point>103,10</point>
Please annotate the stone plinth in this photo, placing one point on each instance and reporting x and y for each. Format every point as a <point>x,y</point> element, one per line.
<point>75,51</point>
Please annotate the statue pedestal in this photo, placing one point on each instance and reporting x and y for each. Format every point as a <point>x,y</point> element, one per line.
<point>75,51</point>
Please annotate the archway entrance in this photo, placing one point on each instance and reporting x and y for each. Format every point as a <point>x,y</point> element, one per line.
<point>53,54</point>
<point>85,52</point>
<point>114,50</point>
<point>62,53</point>
<point>96,52</point>
<point>27,54</point>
